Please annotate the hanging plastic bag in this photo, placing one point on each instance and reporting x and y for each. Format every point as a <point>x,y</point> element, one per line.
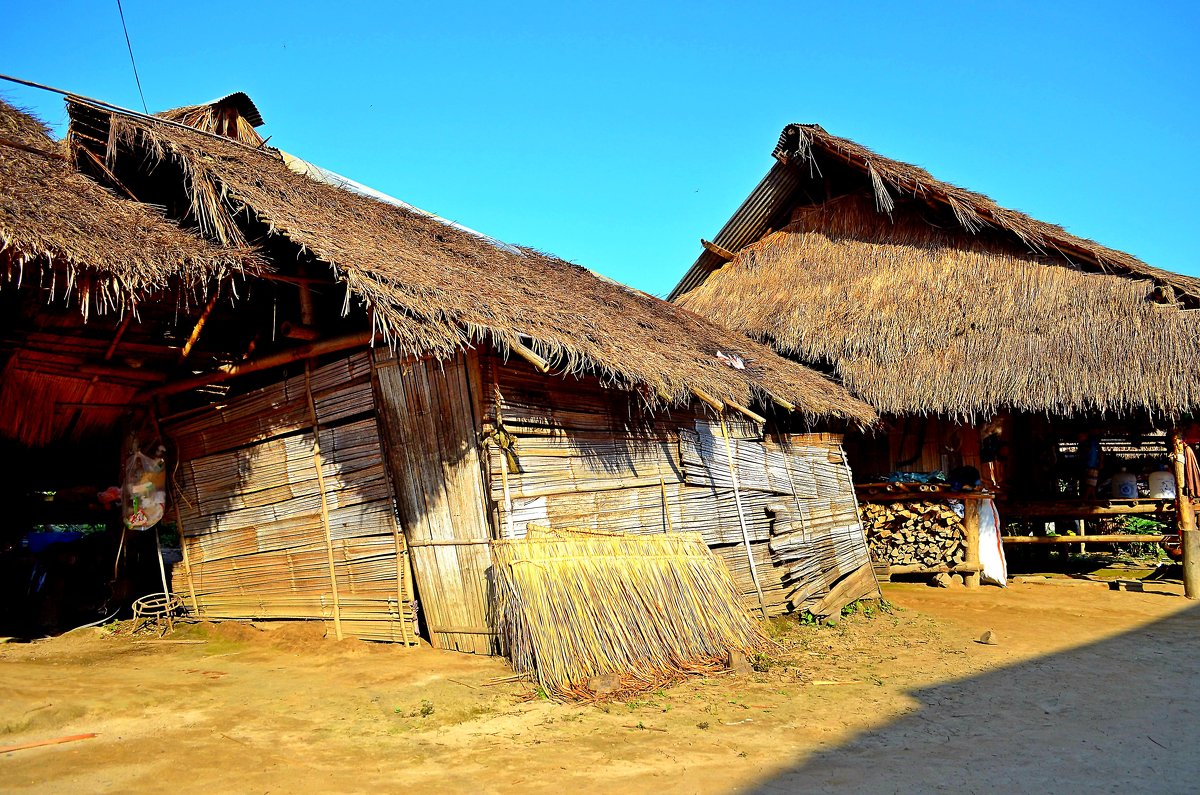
<point>145,488</point>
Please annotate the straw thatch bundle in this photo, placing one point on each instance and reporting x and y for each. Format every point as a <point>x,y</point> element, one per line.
<point>234,116</point>
<point>915,318</point>
<point>651,609</point>
<point>433,288</point>
<point>62,229</point>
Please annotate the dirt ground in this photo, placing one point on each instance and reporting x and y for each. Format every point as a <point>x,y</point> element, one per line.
<point>1087,688</point>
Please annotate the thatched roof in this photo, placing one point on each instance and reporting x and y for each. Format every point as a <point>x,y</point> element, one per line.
<point>916,316</point>
<point>814,165</point>
<point>433,288</point>
<point>105,250</point>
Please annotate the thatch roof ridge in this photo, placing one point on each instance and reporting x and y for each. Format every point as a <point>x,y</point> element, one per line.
<point>915,320</point>
<point>973,210</point>
<point>435,289</point>
<point>113,250</point>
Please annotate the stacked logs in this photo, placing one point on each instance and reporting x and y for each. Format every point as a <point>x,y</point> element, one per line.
<point>918,534</point>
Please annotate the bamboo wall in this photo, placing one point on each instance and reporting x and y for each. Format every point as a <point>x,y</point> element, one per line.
<point>428,418</point>
<point>285,508</point>
<point>587,457</point>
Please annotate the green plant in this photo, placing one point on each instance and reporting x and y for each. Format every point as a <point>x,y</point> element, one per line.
<point>850,609</point>
<point>761,662</point>
<point>426,708</point>
<point>808,619</point>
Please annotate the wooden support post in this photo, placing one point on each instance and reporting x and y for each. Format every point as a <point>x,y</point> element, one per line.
<point>1185,520</point>
<point>320,465</point>
<point>971,530</point>
<point>737,501</point>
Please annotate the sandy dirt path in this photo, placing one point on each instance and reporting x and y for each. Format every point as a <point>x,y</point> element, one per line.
<point>1087,689</point>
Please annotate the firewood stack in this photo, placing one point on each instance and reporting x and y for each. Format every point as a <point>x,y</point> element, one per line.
<point>914,533</point>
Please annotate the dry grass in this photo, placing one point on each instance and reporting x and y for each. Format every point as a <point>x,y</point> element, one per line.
<point>651,609</point>
<point>917,318</point>
<point>431,288</point>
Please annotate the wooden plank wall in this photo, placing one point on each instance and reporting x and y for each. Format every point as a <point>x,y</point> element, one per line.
<point>428,414</point>
<point>589,457</point>
<point>277,521</point>
<point>943,445</point>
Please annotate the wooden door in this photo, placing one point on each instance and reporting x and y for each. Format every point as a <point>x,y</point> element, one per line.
<point>428,417</point>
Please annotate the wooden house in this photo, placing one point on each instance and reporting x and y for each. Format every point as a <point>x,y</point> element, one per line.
<point>359,396</point>
<point>985,338</point>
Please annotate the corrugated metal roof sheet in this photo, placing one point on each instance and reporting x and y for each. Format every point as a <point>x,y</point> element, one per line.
<point>748,224</point>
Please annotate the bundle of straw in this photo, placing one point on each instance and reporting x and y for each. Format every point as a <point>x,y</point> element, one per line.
<point>650,609</point>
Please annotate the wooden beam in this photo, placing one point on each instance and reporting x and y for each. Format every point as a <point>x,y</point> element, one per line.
<point>1109,538</point>
<point>226,372</point>
<point>194,337</point>
<point>1068,509</point>
<point>713,248</point>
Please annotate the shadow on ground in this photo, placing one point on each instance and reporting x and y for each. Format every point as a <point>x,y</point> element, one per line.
<point>1119,715</point>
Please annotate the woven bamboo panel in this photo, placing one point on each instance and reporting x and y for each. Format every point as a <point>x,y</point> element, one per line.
<point>277,521</point>
<point>588,457</point>
<point>427,412</point>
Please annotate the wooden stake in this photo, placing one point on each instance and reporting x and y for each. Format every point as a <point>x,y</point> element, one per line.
<point>1185,520</point>
<point>737,501</point>
<point>316,431</point>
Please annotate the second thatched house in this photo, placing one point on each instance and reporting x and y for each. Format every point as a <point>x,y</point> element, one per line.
<point>997,347</point>
<point>376,394</point>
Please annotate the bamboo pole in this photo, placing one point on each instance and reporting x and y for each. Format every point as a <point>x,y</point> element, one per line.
<point>187,564</point>
<point>667,524</point>
<point>737,501</point>
<point>162,571</point>
<point>1185,520</point>
<point>319,464</point>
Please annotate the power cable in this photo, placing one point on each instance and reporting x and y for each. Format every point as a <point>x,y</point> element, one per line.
<point>129,46</point>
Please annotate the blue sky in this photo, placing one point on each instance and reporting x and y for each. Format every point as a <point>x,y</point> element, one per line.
<point>618,134</point>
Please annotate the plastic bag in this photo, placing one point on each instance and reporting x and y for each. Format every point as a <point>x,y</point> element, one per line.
<point>144,492</point>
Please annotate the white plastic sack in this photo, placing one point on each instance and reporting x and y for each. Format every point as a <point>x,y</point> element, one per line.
<point>991,548</point>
